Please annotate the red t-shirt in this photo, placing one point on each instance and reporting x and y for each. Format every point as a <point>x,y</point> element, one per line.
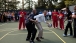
<point>61,15</point>
<point>23,14</point>
<point>55,15</point>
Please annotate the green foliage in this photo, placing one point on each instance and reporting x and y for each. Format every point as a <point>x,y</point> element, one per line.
<point>10,5</point>
<point>69,2</point>
<point>61,5</point>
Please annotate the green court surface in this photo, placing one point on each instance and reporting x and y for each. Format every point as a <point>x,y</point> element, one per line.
<point>9,33</point>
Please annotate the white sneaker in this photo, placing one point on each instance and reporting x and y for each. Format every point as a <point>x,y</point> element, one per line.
<point>62,29</point>
<point>56,27</point>
<point>64,35</point>
<point>23,28</point>
<point>70,35</point>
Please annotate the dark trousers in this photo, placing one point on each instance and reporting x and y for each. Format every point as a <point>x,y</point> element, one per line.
<point>31,31</point>
<point>74,28</point>
<point>50,17</point>
<point>4,18</point>
<point>68,26</point>
<point>16,18</point>
<point>0,19</point>
<point>9,19</point>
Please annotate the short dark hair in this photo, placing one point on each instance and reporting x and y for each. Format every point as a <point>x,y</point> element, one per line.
<point>67,8</point>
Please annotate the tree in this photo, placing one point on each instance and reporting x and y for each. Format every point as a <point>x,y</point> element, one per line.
<point>45,4</point>
<point>6,5</point>
<point>29,3</point>
<point>12,5</point>
<point>61,5</point>
<point>69,2</point>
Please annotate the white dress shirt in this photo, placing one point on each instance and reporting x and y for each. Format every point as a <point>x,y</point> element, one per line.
<point>40,18</point>
<point>49,13</point>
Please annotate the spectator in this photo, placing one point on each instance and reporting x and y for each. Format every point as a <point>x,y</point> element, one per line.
<point>49,13</point>
<point>55,18</point>
<point>22,15</point>
<point>61,20</point>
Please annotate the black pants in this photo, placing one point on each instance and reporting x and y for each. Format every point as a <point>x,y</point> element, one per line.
<point>4,19</point>
<point>0,20</point>
<point>16,18</point>
<point>74,28</point>
<point>31,31</point>
<point>68,26</point>
<point>50,17</point>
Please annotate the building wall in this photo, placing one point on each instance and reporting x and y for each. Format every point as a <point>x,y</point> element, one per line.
<point>72,8</point>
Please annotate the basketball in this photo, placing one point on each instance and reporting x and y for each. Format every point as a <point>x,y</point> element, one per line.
<point>49,25</point>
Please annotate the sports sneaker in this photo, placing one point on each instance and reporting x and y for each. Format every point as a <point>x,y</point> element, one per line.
<point>38,39</point>
<point>70,35</point>
<point>62,29</point>
<point>41,37</point>
<point>23,28</point>
<point>56,27</point>
<point>64,35</point>
<point>32,42</point>
<point>27,39</point>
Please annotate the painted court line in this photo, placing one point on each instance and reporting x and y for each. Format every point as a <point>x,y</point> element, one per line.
<point>6,35</point>
<point>56,35</point>
<point>26,33</point>
<point>7,30</point>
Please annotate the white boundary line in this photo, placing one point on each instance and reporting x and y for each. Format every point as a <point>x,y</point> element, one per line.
<point>56,35</point>
<point>26,33</point>
<point>6,35</point>
<point>9,29</point>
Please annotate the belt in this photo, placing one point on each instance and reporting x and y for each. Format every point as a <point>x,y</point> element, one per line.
<point>69,20</point>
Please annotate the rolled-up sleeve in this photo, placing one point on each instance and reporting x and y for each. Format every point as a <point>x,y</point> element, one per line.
<point>37,16</point>
<point>44,20</point>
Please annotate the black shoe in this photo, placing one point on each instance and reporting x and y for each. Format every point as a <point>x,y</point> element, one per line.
<point>41,37</point>
<point>32,42</point>
<point>38,39</point>
<point>27,39</point>
<point>70,35</point>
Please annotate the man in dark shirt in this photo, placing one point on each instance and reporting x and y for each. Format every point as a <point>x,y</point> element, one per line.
<point>31,28</point>
<point>69,23</point>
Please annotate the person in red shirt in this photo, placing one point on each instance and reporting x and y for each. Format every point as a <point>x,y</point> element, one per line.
<point>55,18</point>
<point>61,20</point>
<point>22,15</point>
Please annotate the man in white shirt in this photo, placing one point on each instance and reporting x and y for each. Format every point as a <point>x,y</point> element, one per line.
<point>40,18</point>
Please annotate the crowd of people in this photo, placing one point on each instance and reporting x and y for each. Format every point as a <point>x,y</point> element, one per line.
<point>29,20</point>
<point>8,16</point>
